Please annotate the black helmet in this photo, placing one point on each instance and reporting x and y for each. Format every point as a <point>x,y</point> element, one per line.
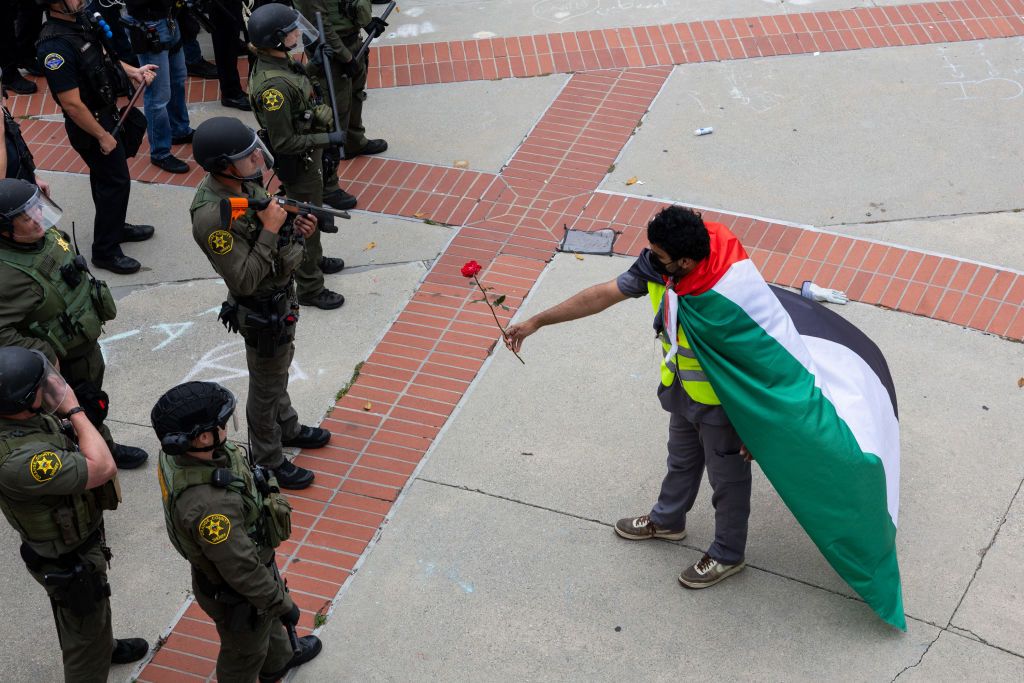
<point>270,24</point>
<point>223,140</point>
<point>21,371</point>
<point>20,196</point>
<point>188,410</point>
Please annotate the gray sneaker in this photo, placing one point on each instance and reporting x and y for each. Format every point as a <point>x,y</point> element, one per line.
<point>641,528</point>
<point>707,572</point>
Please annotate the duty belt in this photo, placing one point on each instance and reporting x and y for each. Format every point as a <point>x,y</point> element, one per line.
<point>36,562</point>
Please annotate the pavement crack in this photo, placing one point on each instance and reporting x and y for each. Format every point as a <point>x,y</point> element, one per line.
<point>921,658</point>
<point>984,552</point>
<point>513,500</point>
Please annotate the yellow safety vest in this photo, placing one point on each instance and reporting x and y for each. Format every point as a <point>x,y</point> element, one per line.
<point>690,374</point>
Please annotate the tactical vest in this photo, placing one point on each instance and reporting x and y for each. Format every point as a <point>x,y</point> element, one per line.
<point>101,81</point>
<point>690,374</point>
<point>52,525</point>
<point>68,319</point>
<point>300,85</point>
<point>176,478</point>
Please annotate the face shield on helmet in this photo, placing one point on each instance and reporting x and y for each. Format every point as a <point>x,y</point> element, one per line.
<point>30,221</point>
<point>307,35</point>
<point>253,162</point>
<point>55,390</point>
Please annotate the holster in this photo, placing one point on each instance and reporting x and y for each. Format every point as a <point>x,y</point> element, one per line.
<point>240,615</point>
<point>331,159</point>
<point>266,322</point>
<point>79,588</point>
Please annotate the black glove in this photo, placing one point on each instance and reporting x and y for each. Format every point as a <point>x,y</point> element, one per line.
<point>326,53</point>
<point>291,617</point>
<point>376,26</point>
<point>352,68</point>
<point>336,138</point>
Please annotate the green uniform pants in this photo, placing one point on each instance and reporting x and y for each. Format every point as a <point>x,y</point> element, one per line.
<point>308,186</point>
<point>86,643</point>
<point>269,408</point>
<point>351,93</point>
<point>245,652</point>
<point>87,368</point>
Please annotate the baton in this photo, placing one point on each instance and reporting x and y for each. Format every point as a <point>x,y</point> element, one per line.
<point>124,112</point>
<point>326,65</point>
<point>293,637</point>
<point>369,38</point>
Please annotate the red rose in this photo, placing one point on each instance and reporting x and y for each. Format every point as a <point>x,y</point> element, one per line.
<point>471,268</point>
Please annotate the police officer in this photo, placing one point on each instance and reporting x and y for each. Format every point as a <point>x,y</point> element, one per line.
<point>15,157</point>
<point>52,303</point>
<point>86,83</point>
<point>295,124</point>
<point>256,252</point>
<point>55,484</point>
<point>343,20</point>
<point>226,517</point>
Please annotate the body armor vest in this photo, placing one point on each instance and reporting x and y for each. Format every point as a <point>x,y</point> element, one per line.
<point>68,318</point>
<point>51,525</point>
<point>101,81</point>
<point>176,478</point>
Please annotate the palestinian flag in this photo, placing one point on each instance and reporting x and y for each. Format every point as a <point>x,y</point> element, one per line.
<point>812,399</point>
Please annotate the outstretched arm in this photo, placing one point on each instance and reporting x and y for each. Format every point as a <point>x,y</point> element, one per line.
<point>588,302</point>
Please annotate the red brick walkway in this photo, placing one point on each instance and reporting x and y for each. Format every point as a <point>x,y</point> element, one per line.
<point>511,223</point>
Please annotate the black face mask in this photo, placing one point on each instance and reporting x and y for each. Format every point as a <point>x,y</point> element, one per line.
<point>660,267</point>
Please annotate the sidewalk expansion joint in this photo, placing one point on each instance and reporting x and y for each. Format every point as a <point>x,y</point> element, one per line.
<point>938,216</point>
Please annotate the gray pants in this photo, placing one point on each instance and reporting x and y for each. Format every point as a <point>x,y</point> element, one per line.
<point>269,409</point>
<point>691,448</point>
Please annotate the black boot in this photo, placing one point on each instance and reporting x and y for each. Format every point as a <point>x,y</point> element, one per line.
<point>308,437</point>
<point>291,476</point>
<point>128,650</point>
<point>128,457</point>
<point>325,299</point>
<point>329,265</point>
<point>309,647</point>
<point>340,200</point>
<point>371,147</point>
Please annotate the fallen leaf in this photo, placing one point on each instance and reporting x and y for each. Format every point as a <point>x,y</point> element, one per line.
<point>1020,383</point>
<point>632,181</point>
<point>419,214</point>
<point>367,405</point>
<point>461,163</point>
<point>369,246</point>
<point>578,257</point>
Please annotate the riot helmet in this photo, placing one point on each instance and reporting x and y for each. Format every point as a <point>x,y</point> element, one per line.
<point>25,212</point>
<point>189,410</point>
<point>270,27</point>
<point>22,373</point>
<point>224,141</point>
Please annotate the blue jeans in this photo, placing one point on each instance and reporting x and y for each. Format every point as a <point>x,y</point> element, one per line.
<point>164,99</point>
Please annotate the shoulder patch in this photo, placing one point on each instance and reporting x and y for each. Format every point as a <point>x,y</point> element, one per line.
<point>44,466</point>
<point>220,242</point>
<point>215,528</point>
<point>53,61</point>
<point>272,99</point>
